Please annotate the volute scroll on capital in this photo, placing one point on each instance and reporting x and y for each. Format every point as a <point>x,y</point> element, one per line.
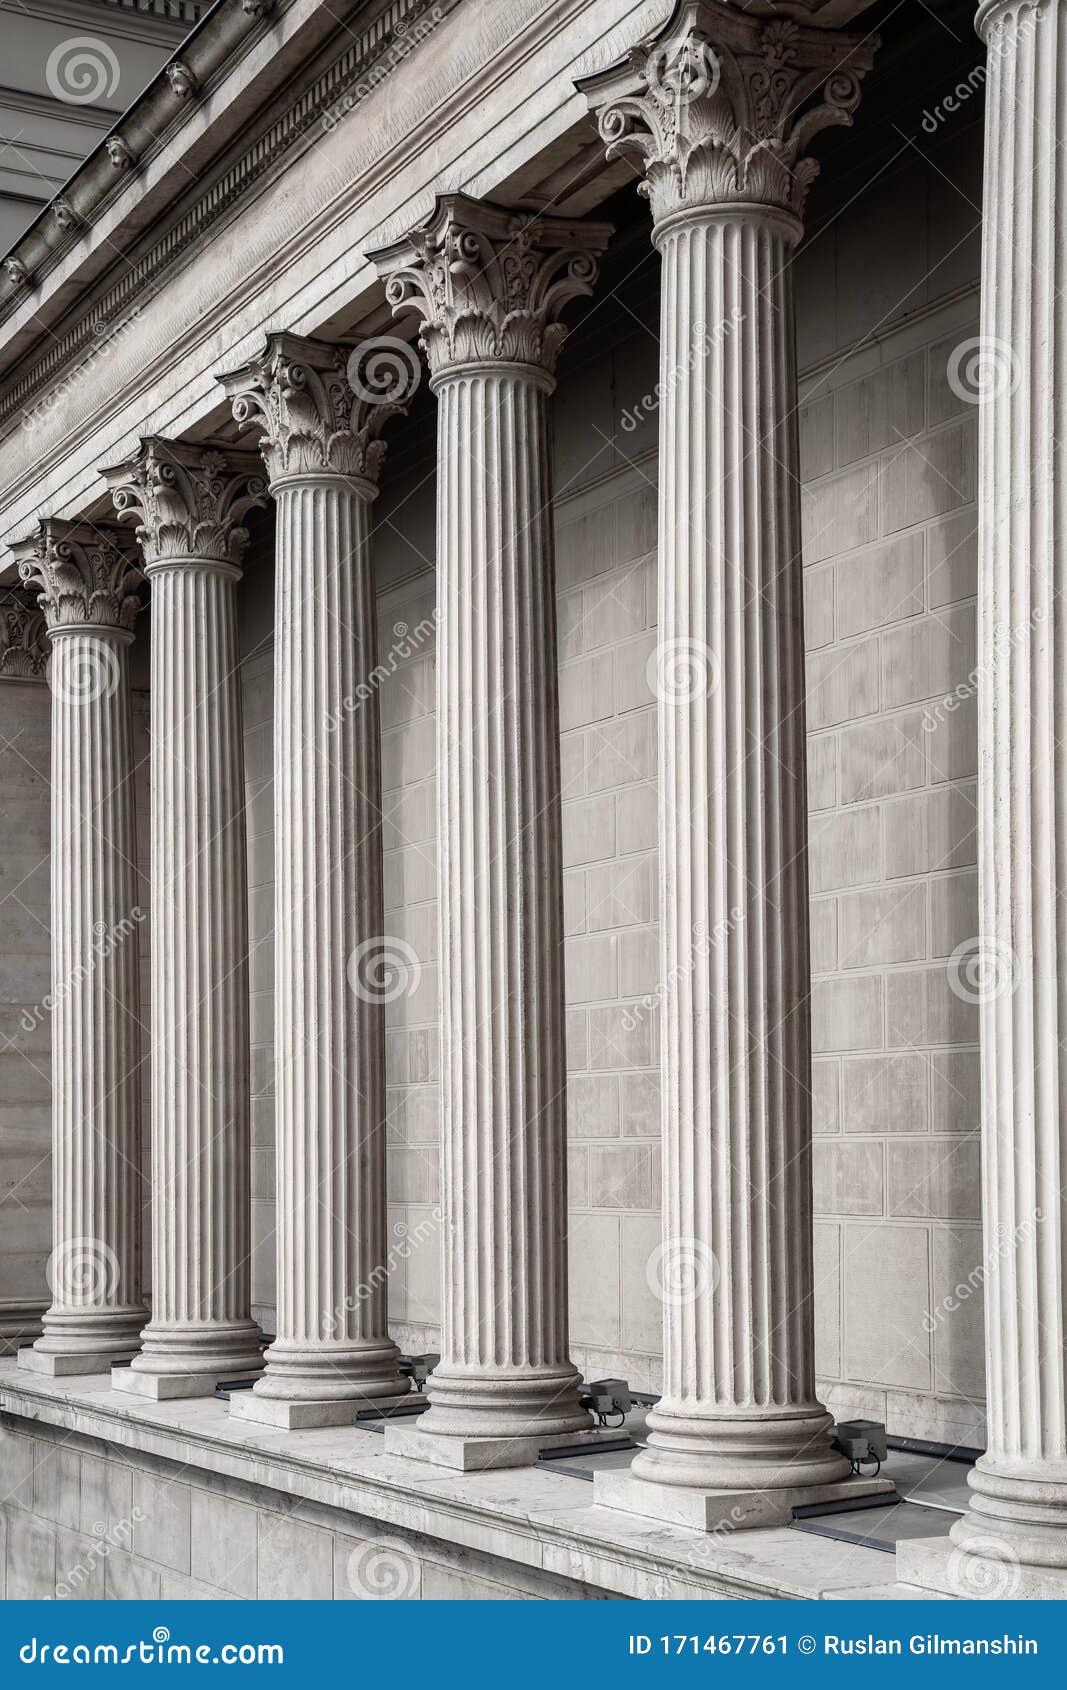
<point>24,649</point>
<point>83,574</point>
<point>490,283</point>
<point>299,393</point>
<point>188,500</point>
<point>720,106</point>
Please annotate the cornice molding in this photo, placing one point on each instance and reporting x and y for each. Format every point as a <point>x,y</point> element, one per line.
<point>719,107</point>
<point>84,574</point>
<point>334,85</point>
<point>489,283</point>
<point>188,500</point>
<point>24,648</point>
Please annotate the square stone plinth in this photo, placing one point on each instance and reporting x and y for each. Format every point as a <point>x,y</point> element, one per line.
<point>479,1455</point>
<point>938,1564</point>
<point>162,1387</point>
<point>67,1367</point>
<point>723,1510</point>
<point>304,1416</point>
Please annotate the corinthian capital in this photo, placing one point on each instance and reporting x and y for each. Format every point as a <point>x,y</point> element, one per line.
<point>490,283</point>
<point>23,639</point>
<point>314,420</point>
<point>83,573</point>
<point>720,106</point>
<point>188,501</point>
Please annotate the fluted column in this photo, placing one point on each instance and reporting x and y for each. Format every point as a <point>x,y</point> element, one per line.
<point>1013,1539</point>
<point>332,1353</point>
<point>87,587</point>
<point>717,113</point>
<point>189,503</point>
<point>489,286</point>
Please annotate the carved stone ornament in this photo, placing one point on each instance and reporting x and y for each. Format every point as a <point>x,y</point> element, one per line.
<point>83,574</point>
<point>720,106</point>
<point>299,393</point>
<point>188,500</point>
<point>24,649</point>
<point>490,283</point>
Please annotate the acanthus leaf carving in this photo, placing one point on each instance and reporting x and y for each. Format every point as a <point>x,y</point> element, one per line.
<point>24,648</point>
<point>490,283</point>
<point>298,393</point>
<point>84,574</point>
<point>188,500</point>
<point>720,107</point>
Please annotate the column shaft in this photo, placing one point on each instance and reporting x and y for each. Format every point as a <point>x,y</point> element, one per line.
<point>739,1406</point>
<point>1019,1503</point>
<point>201,1326</point>
<point>504,1367</point>
<point>332,1347</point>
<point>87,587</point>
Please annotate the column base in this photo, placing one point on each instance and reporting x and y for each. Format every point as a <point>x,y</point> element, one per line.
<point>68,1366</point>
<point>722,1510</point>
<point>482,1454</point>
<point>939,1564</point>
<point>190,1361</point>
<point>164,1387</point>
<point>296,1416</point>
